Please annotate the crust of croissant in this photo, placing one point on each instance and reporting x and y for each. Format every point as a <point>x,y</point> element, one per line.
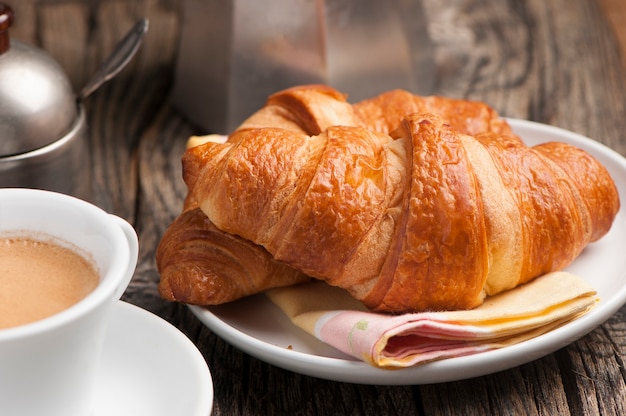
<point>323,229</point>
<point>555,225</point>
<point>310,109</point>
<point>295,114</point>
<point>597,191</point>
<point>385,112</point>
<point>438,259</point>
<point>305,109</point>
<point>200,264</point>
<point>317,203</point>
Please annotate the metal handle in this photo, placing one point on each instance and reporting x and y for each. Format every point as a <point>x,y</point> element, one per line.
<point>122,54</point>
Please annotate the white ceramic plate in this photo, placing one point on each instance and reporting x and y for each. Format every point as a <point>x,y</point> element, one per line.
<point>150,368</point>
<point>255,325</point>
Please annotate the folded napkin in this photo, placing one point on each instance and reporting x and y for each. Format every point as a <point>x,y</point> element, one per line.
<point>392,341</point>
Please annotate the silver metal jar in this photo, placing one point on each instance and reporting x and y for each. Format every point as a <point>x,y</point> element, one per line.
<point>42,124</point>
<point>61,166</point>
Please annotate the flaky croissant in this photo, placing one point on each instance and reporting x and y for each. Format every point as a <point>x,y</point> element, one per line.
<point>312,109</point>
<point>200,264</point>
<point>407,212</point>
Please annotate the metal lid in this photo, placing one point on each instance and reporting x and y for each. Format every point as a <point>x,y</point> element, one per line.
<point>37,102</point>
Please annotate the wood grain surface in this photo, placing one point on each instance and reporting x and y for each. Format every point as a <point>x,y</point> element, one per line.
<point>560,62</point>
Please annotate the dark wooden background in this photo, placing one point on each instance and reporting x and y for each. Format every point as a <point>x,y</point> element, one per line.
<point>559,62</point>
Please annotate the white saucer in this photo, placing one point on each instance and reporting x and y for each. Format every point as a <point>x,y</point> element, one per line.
<point>150,368</point>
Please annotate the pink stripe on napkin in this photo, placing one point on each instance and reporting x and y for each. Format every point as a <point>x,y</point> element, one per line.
<point>389,341</point>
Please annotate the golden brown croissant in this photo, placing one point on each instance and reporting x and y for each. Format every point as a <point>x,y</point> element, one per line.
<point>203,265</point>
<point>311,109</point>
<point>385,112</point>
<point>200,264</point>
<point>408,216</point>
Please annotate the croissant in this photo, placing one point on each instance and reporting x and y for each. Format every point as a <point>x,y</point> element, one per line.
<point>200,264</point>
<point>406,209</point>
<point>313,108</point>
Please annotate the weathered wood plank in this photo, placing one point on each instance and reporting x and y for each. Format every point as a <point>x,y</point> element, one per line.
<point>530,60</point>
<point>615,13</point>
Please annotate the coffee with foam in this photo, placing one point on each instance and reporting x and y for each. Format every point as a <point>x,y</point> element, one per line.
<point>39,278</point>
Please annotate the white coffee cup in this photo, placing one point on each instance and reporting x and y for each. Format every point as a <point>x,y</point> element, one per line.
<point>49,367</point>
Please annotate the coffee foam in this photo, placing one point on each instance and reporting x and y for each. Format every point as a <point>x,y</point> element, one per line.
<point>41,277</point>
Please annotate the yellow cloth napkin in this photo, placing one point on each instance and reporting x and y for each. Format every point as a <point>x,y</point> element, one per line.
<point>391,341</point>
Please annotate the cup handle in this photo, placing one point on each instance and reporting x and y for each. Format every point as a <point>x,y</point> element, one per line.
<point>133,252</point>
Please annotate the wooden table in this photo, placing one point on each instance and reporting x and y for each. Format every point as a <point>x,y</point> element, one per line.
<point>560,62</point>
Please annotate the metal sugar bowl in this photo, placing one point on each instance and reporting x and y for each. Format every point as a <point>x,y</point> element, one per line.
<point>43,128</point>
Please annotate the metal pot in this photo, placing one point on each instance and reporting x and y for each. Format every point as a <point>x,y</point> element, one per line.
<point>43,128</point>
<point>61,166</point>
